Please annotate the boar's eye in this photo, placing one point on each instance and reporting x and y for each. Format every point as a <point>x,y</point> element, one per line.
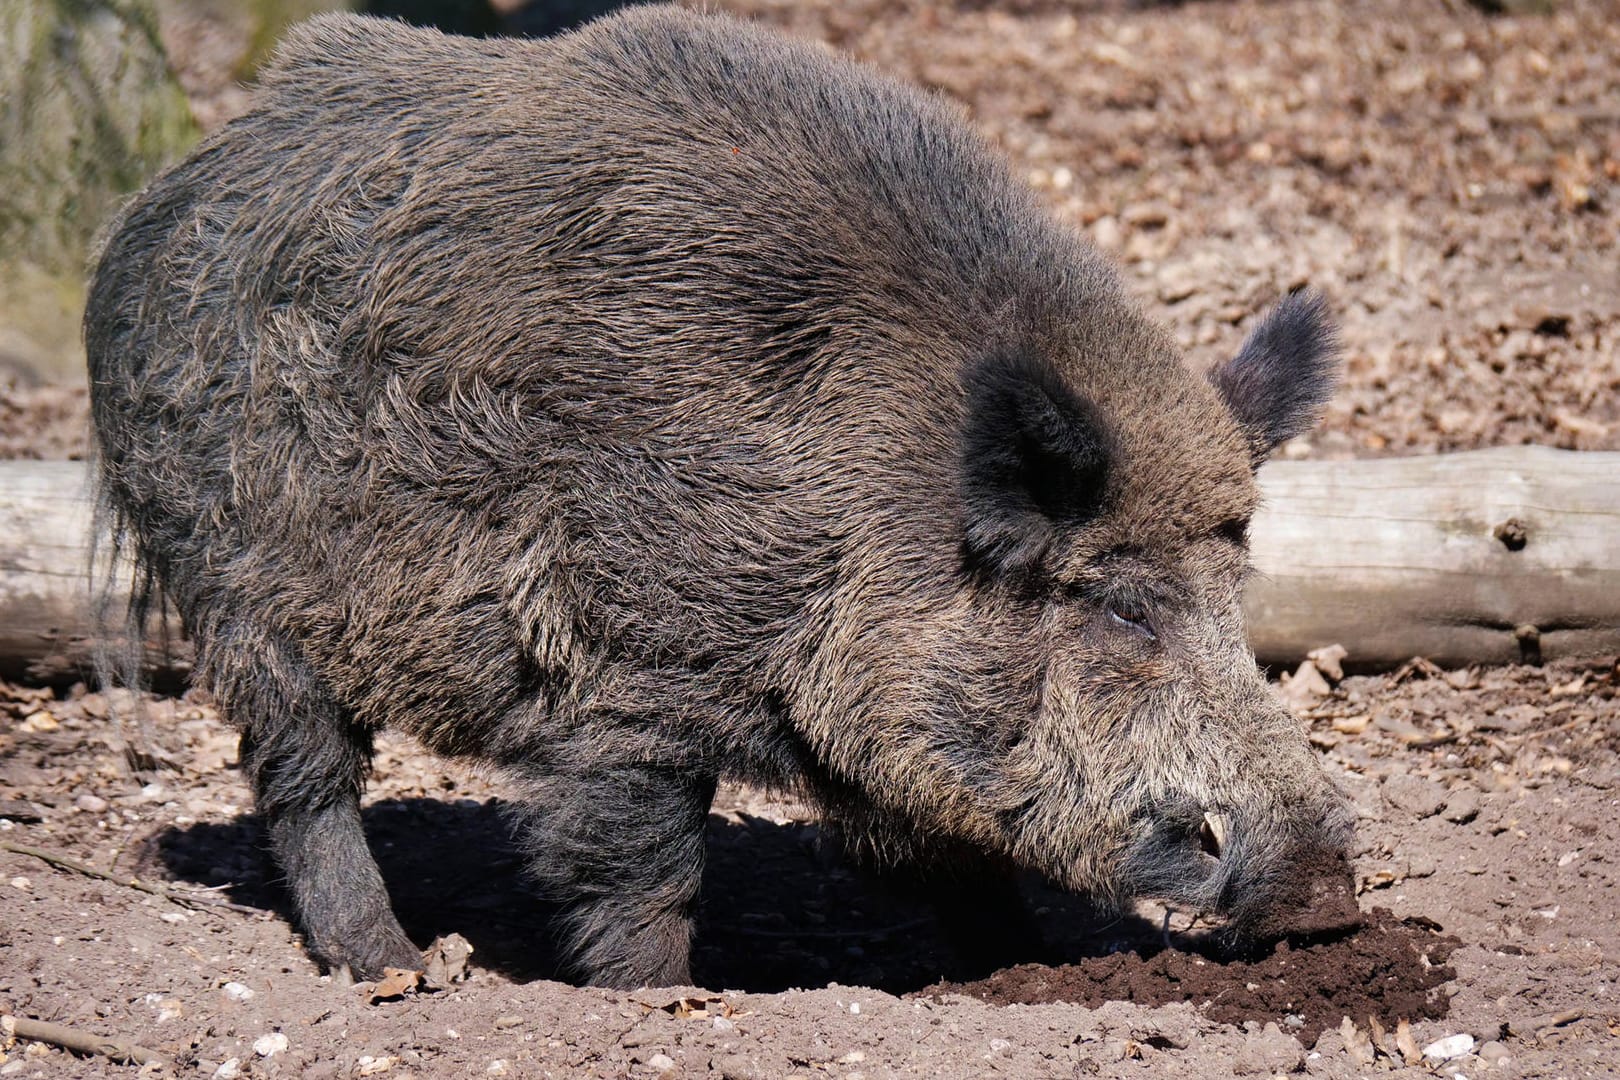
<point>1133,620</point>
<point>1234,530</point>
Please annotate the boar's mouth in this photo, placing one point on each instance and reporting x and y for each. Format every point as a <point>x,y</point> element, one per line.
<point>1267,882</point>
<point>1183,855</point>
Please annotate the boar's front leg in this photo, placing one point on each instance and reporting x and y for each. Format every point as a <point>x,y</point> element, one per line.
<point>620,848</point>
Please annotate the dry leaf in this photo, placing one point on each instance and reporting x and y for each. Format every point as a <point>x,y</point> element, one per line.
<point>1356,1044</point>
<point>1406,1044</point>
<point>1416,668</point>
<point>1378,1037</point>
<point>445,961</point>
<point>1329,660</point>
<point>1305,687</point>
<point>692,1008</point>
<point>395,984</point>
<point>1574,686</point>
<point>39,722</point>
<point>1409,733</point>
<point>1379,879</point>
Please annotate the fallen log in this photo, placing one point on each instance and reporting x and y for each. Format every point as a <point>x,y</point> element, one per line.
<point>48,629</point>
<point>1492,556</point>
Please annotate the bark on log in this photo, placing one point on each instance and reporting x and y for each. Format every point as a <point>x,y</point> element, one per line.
<point>1485,557</point>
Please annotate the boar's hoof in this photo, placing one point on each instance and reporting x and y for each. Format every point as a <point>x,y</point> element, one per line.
<point>366,961</point>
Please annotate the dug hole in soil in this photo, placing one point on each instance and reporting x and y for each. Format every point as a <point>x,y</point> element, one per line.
<point>1448,180</point>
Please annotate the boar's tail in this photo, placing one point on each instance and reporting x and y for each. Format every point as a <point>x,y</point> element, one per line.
<point>124,582</point>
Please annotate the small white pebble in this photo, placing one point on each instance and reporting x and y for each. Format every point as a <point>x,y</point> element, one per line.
<point>21,883</point>
<point>1452,1046</point>
<point>720,1023</point>
<point>173,917</point>
<point>1000,1046</point>
<point>152,791</point>
<point>229,1070</point>
<point>855,1008</point>
<point>270,1045</point>
<point>661,1062</point>
<point>371,1066</point>
<point>498,1067</point>
<point>91,804</point>
<point>854,1057</point>
<point>237,992</point>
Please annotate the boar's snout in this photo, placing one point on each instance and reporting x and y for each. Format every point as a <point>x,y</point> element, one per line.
<point>1269,875</point>
<point>1284,877</point>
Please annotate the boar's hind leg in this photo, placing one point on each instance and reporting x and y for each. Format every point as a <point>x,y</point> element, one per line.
<point>308,763</point>
<point>620,848</point>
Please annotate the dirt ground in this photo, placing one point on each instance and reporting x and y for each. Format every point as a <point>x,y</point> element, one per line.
<point>1486,800</point>
<point>1450,180</point>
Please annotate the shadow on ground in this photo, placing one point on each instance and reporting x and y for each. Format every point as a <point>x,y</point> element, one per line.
<point>779,909</point>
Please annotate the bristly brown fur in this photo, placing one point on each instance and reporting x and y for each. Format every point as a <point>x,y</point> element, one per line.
<point>666,401</point>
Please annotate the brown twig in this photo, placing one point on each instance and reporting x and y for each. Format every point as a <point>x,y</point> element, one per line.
<point>192,900</point>
<point>1544,1026</point>
<point>80,1042</point>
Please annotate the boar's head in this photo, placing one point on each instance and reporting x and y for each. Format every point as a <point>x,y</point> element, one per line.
<point>1125,742</point>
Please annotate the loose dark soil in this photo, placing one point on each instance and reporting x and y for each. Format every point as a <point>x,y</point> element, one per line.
<point>1392,970</point>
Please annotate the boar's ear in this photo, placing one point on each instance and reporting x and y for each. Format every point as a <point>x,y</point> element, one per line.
<point>1287,369</point>
<point>1035,457</point>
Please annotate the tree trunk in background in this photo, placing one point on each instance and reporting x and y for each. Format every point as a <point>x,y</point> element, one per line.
<point>1485,557</point>
<point>88,111</point>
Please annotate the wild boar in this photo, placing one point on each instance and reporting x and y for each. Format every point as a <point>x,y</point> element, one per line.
<point>670,401</point>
